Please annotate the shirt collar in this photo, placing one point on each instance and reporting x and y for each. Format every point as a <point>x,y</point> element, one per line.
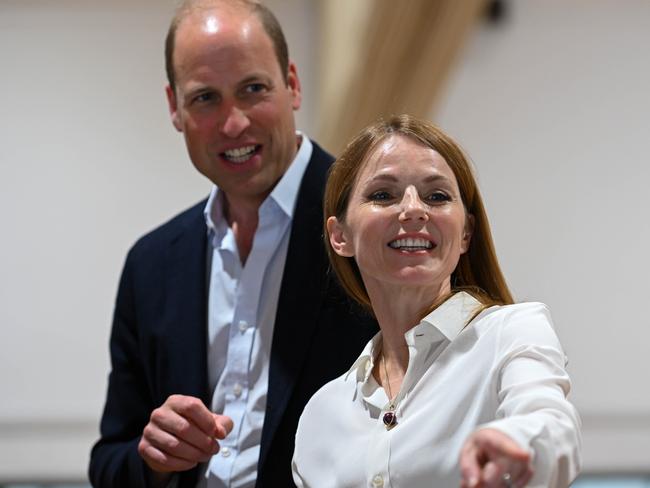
<point>451,317</point>
<point>366,361</point>
<point>445,322</point>
<point>284,194</point>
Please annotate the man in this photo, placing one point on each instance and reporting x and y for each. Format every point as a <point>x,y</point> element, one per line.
<point>226,321</point>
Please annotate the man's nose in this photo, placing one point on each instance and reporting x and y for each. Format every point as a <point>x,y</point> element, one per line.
<point>412,207</point>
<point>236,121</point>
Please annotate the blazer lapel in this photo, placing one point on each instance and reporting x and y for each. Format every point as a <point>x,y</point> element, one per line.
<point>185,311</point>
<point>300,296</point>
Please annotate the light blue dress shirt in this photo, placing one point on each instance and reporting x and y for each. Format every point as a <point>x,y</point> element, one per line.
<point>242,306</point>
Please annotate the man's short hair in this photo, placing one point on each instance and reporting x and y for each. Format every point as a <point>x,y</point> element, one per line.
<point>265,16</point>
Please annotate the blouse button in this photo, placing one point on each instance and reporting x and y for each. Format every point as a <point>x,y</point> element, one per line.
<point>243,325</point>
<point>378,481</point>
<point>225,452</point>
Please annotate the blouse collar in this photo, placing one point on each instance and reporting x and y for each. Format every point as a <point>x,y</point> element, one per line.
<point>445,322</point>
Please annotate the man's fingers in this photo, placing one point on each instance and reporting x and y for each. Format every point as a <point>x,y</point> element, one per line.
<point>224,425</point>
<point>174,446</point>
<point>160,461</point>
<point>181,433</point>
<point>194,410</point>
<point>169,421</point>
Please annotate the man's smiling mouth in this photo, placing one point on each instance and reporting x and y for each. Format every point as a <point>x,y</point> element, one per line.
<point>240,154</point>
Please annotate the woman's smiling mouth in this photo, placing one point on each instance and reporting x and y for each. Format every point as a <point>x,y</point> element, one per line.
<point>411,244</point>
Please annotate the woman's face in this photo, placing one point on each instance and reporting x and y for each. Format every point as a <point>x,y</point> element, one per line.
<point>405,223</point>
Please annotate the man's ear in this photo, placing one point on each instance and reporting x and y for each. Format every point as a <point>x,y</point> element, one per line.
<point>173,108</point>
<point>293,83</point>
<point>467,233</point>
<point>338,239</point>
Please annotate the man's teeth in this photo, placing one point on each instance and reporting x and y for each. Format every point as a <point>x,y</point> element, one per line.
<point>240,154</point>
<point>410,243</point>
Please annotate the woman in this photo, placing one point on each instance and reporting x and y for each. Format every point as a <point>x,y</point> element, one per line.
<point>461,387</point>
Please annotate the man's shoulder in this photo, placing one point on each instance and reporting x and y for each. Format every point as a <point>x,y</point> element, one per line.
<point>320,155</point>
<point>190,219</point>
<point>313,181</point>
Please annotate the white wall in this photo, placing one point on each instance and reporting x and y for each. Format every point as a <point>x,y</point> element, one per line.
<point>88,162</point>
<point>551,107</point>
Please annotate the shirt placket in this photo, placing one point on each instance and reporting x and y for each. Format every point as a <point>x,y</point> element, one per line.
<point>235,381</point>
<point>377,464</point>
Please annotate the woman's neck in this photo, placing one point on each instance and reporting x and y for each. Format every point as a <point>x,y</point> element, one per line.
<point>398,309</point>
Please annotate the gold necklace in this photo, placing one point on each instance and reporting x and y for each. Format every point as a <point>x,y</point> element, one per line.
<point>390,417</point>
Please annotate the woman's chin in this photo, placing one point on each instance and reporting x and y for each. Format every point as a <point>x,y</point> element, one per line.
<point>420,278</point>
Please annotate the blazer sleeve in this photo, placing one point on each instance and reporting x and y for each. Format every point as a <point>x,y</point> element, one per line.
<point>114,460</point>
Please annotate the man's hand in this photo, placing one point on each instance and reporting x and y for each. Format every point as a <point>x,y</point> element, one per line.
<point>180,434</point>
<point>491,459</point>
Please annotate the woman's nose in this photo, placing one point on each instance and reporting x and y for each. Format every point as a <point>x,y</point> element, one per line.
<point>235,122</point>
<point>413,208</point>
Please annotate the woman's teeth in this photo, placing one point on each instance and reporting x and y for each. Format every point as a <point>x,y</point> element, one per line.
<point>411,244</point>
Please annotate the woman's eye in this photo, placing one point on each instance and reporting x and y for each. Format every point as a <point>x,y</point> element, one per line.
<point>379,196</point>
<point>438,196</point>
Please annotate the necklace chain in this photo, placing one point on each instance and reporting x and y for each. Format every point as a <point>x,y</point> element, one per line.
<point>390,393</point>
<point>390,417</point>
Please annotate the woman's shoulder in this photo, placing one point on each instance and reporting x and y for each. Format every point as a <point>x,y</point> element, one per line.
<point>528,322</point>
<point>516,313</point>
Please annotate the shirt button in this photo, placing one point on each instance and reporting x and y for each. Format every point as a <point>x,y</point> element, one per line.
<point>225,452</point>
<point>378,481</point>
<point>243,325</point>
<point>237,389</point>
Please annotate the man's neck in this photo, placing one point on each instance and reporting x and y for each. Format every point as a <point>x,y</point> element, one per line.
<point>242,216</point>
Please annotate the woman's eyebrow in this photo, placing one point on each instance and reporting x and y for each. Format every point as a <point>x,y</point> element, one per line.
<point>384,177</point>
<point>393,179</point>
<point>435,177</point>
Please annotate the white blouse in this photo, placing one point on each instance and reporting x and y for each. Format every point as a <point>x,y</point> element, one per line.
<point>504,370</point>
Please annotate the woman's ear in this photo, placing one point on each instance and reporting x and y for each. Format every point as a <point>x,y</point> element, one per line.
<point>338,238</point>
<point>467,233</point>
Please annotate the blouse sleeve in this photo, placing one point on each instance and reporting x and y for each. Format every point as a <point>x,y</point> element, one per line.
<point>296,475</point>
<point>532,388</point>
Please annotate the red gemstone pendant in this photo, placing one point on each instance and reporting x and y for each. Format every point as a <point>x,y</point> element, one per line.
<point>390,420</point>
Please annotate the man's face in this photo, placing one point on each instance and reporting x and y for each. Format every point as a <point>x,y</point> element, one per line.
<point>232,103</point>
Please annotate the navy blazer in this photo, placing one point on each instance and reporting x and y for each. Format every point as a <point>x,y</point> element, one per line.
<point>158,342</point>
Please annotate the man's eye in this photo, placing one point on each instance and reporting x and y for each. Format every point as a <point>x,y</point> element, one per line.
<point>254,88</point>
<point>379,196</point>
<point>203,98</point>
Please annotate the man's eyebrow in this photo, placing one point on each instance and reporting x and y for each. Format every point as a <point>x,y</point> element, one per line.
<point>192,92</point>
<point>255,78</point>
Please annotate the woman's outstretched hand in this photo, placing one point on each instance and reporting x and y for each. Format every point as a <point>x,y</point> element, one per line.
<point>491,459</point>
